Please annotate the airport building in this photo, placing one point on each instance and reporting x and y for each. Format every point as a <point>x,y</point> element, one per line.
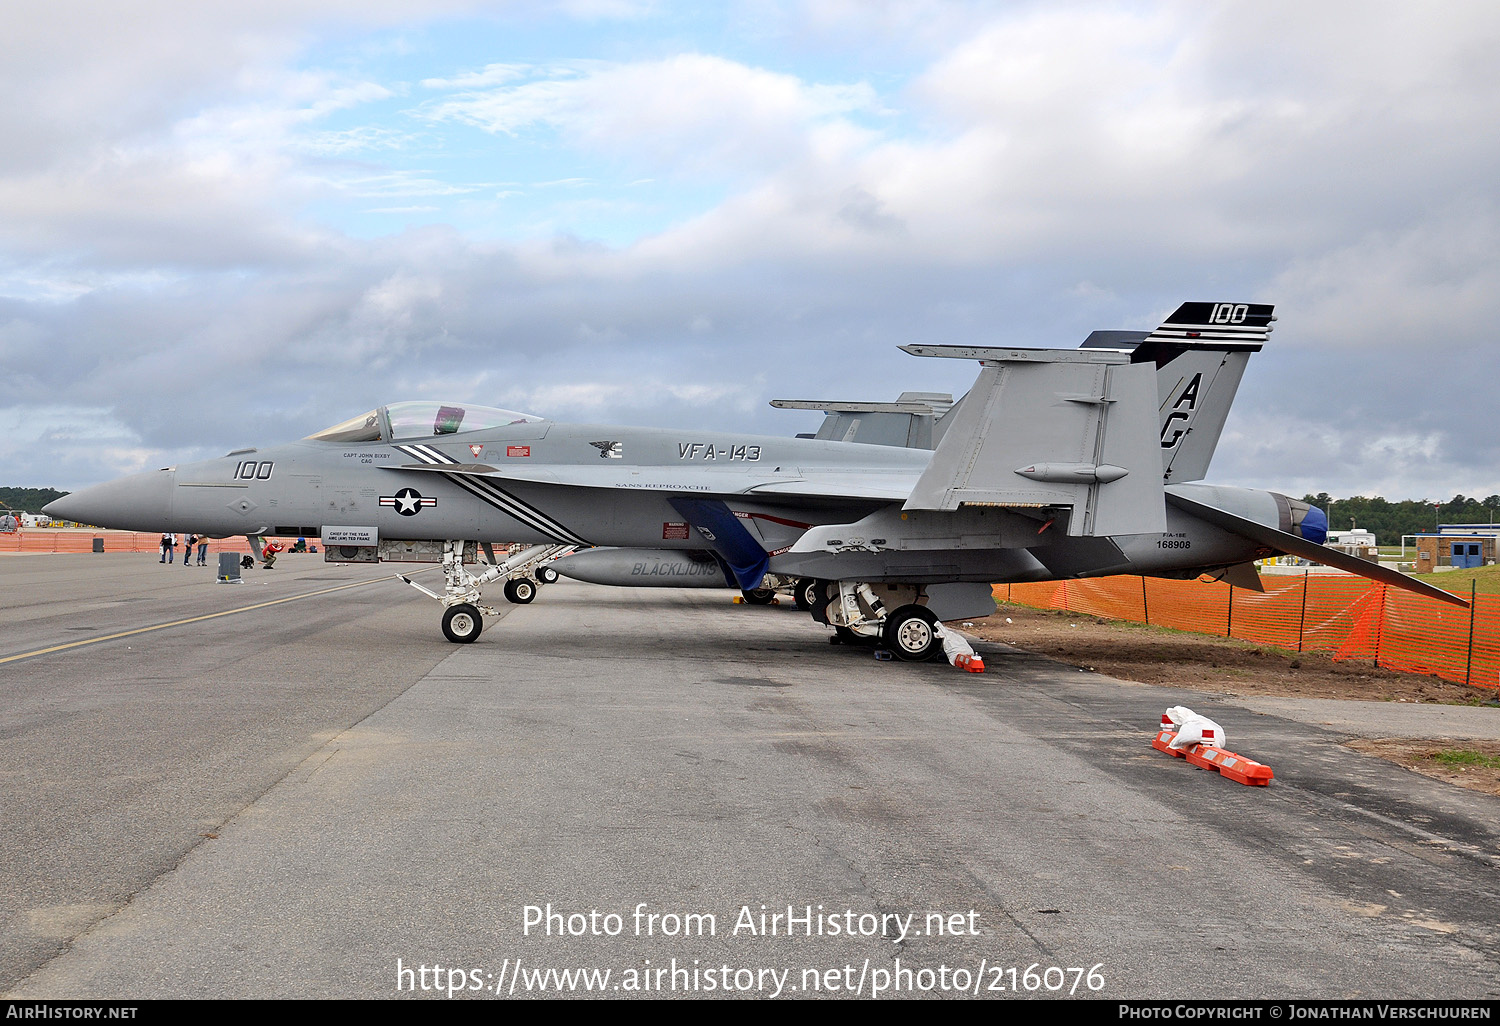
<point>1457,545</point>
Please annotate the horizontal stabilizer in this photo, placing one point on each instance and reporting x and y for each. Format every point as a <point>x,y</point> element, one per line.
<point>1290,544</point>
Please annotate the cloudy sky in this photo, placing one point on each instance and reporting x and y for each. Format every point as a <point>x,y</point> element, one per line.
<point>225,224</point>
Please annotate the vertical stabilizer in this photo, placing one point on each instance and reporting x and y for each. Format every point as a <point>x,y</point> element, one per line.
<point>1200,355</point>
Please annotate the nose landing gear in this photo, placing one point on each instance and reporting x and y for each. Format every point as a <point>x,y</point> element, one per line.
<point>462,623</point>
<point>463,612</point>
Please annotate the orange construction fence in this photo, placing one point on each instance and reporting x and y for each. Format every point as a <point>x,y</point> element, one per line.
<point>1346,617</point>
<point>42,540</point>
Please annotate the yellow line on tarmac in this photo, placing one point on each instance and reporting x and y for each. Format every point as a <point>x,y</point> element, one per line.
<point>191,619</point>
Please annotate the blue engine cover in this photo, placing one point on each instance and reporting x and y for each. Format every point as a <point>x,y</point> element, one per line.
<point>1314,526</point>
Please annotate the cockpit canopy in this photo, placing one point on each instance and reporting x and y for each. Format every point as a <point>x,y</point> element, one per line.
<point>419,420</point>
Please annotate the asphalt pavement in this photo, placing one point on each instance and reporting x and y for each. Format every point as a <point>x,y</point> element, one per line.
<point>295,787</point>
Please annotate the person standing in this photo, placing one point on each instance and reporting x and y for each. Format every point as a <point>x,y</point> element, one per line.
<point>170,541</point>
<point>187,550</point>
<point>165,542</point>
<point>202,550</point>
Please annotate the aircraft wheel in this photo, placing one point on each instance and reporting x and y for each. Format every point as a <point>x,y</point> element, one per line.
<point>806,593</point>
<point>520,591</point>
<point>462,623</point>
<point>819,592</point>
<point>547,575</point>
<point>909,632</point>
<point>759,596</point>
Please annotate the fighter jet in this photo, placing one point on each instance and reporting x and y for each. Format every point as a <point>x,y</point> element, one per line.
<point>912,421</point>
<point>1058,463</point>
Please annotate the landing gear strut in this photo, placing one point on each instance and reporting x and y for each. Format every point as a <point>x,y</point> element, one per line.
<point>463,612</point>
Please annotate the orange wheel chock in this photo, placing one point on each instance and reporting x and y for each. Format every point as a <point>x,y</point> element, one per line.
<point>1228,764</point>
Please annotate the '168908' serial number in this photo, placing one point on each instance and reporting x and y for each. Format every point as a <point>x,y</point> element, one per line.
<point>1174,543</point>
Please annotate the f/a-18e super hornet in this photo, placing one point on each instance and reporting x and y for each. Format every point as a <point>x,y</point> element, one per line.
<point>1056,464</point>
<point>912,421</point>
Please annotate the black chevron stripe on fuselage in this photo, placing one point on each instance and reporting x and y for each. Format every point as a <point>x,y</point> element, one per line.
<point>496,496</point>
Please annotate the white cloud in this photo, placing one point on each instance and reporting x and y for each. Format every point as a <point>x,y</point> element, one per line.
<point>1437,281</point>
<point>489,75</point>
<point>1029,172</point>
<point>691,113</point>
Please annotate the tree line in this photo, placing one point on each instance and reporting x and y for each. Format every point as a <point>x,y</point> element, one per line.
<point>1390,520</point>
<point>28,500</point>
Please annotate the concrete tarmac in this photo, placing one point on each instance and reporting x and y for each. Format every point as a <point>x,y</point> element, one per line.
<point>321,797</point>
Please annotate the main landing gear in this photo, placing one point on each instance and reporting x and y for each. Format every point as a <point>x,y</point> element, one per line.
<point>888,615</point>
<point>463,612</point>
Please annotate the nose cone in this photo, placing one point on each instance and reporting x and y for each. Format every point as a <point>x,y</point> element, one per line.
<point>140,502</point>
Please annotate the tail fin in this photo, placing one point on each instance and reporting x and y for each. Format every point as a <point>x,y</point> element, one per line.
<point>1200,355</point>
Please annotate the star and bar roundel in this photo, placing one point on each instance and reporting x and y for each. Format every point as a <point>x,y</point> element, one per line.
<point>408,501</point>
<point>485,489</point>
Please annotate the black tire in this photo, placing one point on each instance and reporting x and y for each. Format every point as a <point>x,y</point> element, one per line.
<point>806,593</point>
<point>546,575</point>
<point>759,596</point>
<point>820,594</point>
<point>845,636</point>
<point>462,623</point>
<point>520,590</point>
<point>910,632</point>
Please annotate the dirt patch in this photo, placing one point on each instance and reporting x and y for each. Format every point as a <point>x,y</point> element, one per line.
<point>1159,655</point>
<point>1428,758</point>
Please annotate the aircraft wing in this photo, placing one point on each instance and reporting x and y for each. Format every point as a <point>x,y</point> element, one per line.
<point>891,486</point>
<point>1295,546</point>
<point>1043,429</point>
